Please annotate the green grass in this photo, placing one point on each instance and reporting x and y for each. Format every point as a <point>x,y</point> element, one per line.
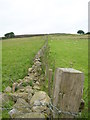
<point>17,57</point>
<point>65,51</point>
<point>71,51</point>
<point>0,65</point>
<point>8,105</point>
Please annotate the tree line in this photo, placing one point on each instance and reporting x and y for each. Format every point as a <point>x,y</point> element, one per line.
<point>12,35</point>
<point>9,35</point>
<point>82,32</point>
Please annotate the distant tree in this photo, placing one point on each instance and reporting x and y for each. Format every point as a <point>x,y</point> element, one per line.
<point>80,32</point>
<point>88,33</point>
<point>9,35</point>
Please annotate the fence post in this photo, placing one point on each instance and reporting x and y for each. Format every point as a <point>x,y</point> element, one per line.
<point>49,82</point>
<point>68,90</point>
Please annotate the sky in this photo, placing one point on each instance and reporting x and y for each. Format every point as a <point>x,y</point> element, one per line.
<point>43,16</point>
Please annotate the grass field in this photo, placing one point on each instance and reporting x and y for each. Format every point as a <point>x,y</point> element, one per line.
<point>17,57</point>
<point>0,65</point>
<point>71,51</point>
<point>65,51</point>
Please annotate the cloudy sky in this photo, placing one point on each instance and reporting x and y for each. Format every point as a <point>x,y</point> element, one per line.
<point>43,16</point>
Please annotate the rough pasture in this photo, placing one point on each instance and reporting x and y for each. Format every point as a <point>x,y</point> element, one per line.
<point>71,51</point>
<point>17,57</point>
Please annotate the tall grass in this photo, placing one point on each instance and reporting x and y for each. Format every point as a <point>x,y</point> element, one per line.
<point>17,57</point>
<point>71,52</point>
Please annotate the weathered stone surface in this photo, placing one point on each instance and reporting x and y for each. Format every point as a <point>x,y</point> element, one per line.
<point>8,89</point>
<point>35,79</point>
<point>31,75</point>
<point>37,103</point>
<point>35,91</point>
<point>37,83</point>
<point>22,106</point>
<point>4,99</point>
<point>37,63</point>
<point>39,70</point>
<point>29,97</point>
<point>39,109</point>
<point>21,90</point>
<point>48,112</point>
<point>26,81</point>
<point>30,91</point>
<point>29,70</point>
<point>14,87</point>
<point>36,74</point>
<point>33,67</point>
<point>40,96</point>
<point>28,78</point>
<point>32,115</point>
<point>37,59</point>
<point>36,87</point>
<point>13,113</point>
<point>38,54</point>
<point>15,96</point>
<point>20,85</point>
<point>28,87</point>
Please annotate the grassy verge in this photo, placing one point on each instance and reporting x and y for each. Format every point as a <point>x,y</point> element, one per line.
<point>17,57</point>
<point>0,65</point>
<point>65,51</point>
<point>71,52</point>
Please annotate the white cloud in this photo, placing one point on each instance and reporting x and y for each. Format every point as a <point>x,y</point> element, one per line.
<point>43,16</point>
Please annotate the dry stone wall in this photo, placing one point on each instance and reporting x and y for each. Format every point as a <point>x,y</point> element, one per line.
<point>29,100</point>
